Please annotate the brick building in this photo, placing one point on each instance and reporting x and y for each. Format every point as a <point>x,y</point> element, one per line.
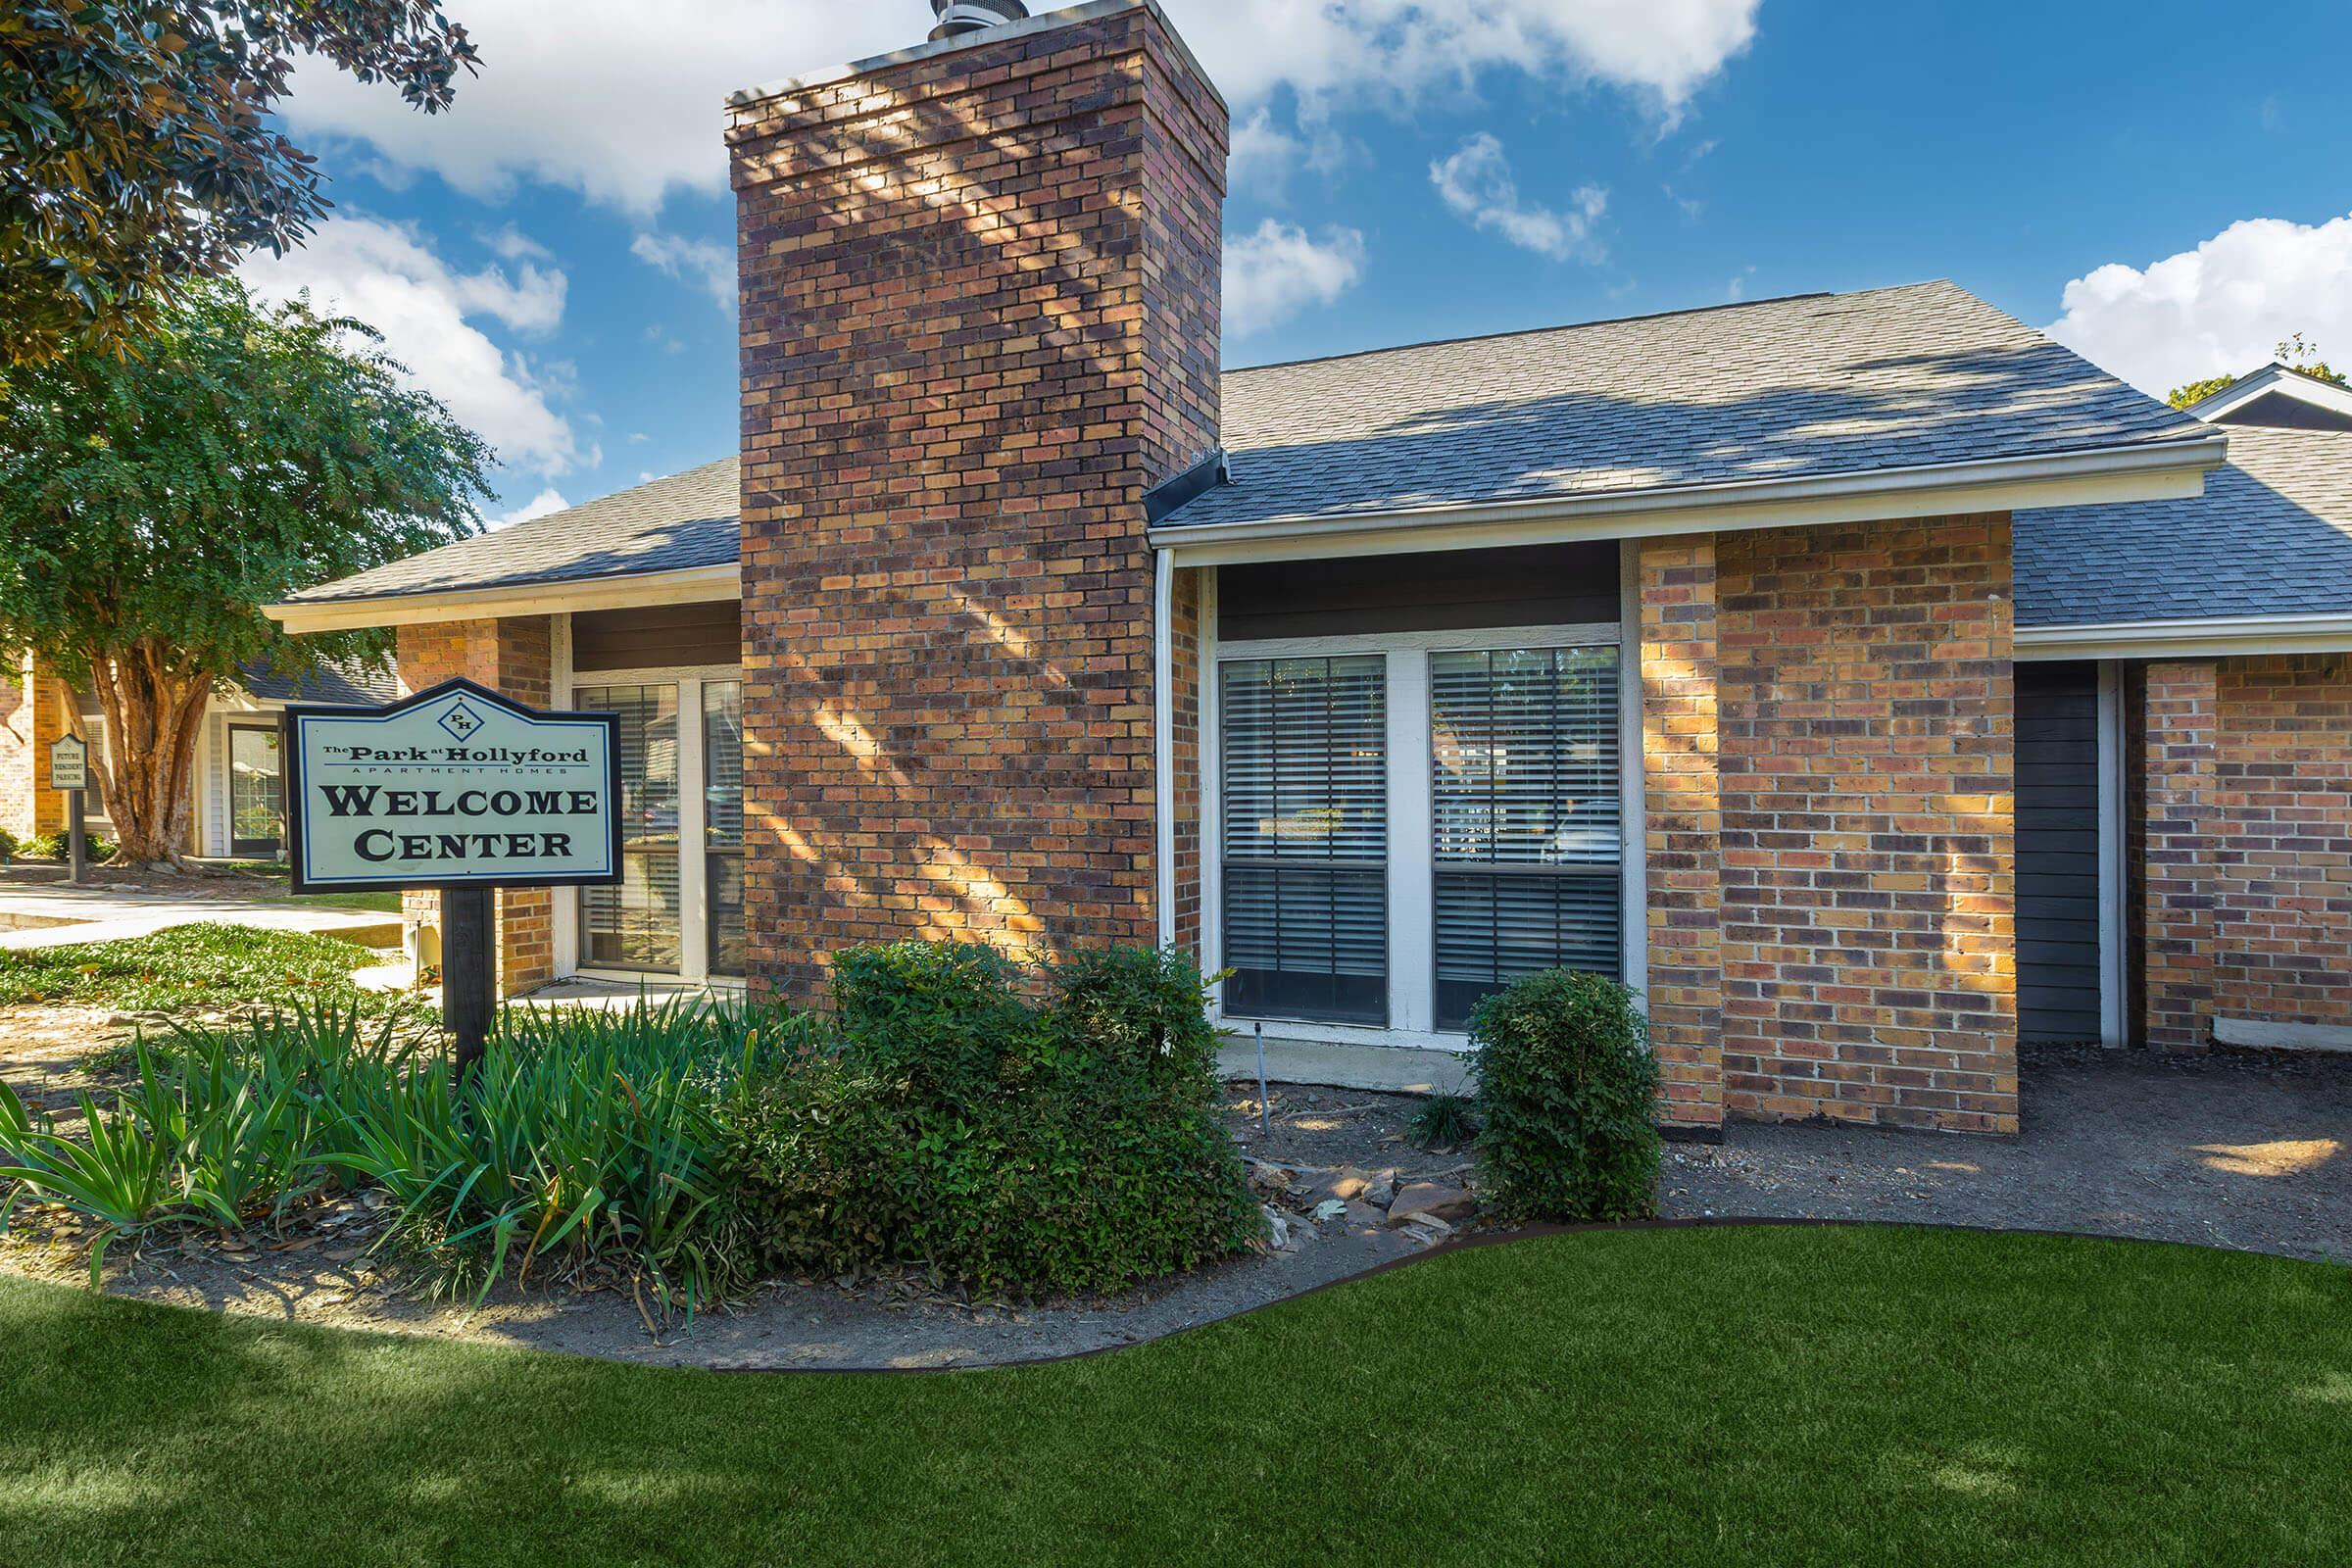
<point>1830,669</point>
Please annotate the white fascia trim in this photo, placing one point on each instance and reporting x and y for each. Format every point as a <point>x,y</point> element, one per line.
<point>2273,377</point>
<point>685,586</point>
<point>2211,638</point>
<point>2170,470</point>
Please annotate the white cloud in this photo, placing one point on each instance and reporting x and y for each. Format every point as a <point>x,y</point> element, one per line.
<point>2218,309</point>
<point>1280,269</point>
<point>432,315</point>
<point>697,261</point>
<point>1476,183</point>
<point>545,501</point>
<point>590,95</point>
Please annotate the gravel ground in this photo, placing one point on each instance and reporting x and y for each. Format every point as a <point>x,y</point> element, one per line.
<point>2241,1150</point>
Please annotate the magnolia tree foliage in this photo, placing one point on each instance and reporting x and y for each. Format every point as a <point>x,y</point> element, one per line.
<point>151,505</point>
<point>2295,353</point>
<point>137,148</point>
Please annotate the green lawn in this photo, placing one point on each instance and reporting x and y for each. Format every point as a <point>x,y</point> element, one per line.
<point>1723,1396</point>
<point>208,963</point>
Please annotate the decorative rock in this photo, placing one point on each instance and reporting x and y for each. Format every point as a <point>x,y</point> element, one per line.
<point>1381,1190</point>
<point>1346,1184</point>
<point>1428,1199</point>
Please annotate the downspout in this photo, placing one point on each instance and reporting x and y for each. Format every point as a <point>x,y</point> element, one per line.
<point>1163,742</point>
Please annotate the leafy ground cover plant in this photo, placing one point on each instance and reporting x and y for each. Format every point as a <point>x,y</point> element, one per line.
<point>583,1144</point>
<point>1042,1133</point>
<point>206,965</point>
<point>1566,1089</point>
<point>1443,1121</point>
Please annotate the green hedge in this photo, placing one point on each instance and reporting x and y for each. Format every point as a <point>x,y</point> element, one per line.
<point>1567,1085</point>
<point>1042,1133</point>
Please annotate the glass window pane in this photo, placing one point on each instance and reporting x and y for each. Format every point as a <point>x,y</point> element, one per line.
<point>636,925</point>
<point>1304,787</point>
<point>1526,812</point>
<point>722,820</point>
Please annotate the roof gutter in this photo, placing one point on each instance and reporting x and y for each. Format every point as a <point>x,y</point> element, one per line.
<point>2209,637</point>
<point>2168,471</point>
<point>680,586</point>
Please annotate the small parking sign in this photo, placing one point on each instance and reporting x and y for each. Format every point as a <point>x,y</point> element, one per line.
<point>69,763</point>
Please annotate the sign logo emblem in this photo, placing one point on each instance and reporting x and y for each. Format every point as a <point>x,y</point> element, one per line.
<point>460,722</point>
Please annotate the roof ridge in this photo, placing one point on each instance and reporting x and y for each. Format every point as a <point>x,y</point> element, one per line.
<point>1578,327</point>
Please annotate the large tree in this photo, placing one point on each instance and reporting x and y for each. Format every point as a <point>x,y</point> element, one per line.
<point>137,149</point>
<point>150,505</point>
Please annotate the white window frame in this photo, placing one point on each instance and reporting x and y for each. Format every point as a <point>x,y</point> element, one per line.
<point>1411,870</point>
<point>694,895</point>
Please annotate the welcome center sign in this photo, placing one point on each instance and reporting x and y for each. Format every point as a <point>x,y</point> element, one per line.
<point>454,787</point>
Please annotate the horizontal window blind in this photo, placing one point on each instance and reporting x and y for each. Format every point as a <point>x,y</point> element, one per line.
<point>1525,824</point>
<point>1304,791</point>
<point>636,924</point>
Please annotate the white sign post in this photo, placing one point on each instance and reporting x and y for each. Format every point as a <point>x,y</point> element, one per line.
<point>69,770</point>
<point>460,789</point>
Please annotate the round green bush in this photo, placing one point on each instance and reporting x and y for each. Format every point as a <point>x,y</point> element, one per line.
<point>1567,1085</point>
<point>1041,1134</point>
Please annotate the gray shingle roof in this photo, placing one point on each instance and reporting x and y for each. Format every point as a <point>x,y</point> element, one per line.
<point>1780,389</point>
<point>351,681</point>
<point>2270,536</point>
<point>1777,389</point>
<point>687,520</point>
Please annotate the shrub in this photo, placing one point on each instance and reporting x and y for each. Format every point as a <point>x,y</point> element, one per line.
<point>56,847</point>
<point>1066,1145</point>
<point>1566,1084</point>
<point>9,846</point>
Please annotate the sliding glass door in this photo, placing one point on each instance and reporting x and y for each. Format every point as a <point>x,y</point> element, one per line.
<point>636,925</point>
<point>722,822</point>
<point>678,909</point>
<point>1407,824</point>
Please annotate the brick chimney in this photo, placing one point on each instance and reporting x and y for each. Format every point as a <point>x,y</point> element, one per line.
<point>978,289</point>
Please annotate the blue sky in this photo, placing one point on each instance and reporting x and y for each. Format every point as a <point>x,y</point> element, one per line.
<point>2166,187</point>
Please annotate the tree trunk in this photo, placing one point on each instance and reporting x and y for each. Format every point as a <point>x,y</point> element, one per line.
<point>154,704</point>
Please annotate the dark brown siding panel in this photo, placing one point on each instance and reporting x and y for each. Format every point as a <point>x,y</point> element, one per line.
<point>2058,853</point>
<point>1456,590</point>
<point>657,635</point>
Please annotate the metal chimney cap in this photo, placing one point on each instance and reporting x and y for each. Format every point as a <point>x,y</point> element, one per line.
<point>959,16</point>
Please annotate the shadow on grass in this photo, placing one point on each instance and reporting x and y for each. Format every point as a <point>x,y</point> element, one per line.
<point>1788,1395</point>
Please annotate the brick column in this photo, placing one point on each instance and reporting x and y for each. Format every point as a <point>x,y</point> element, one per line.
<point>515,658</point>
<point>1869,931</point>
<point>2182,728</point>
<point>1682,791</point>
<point>979,288</point>
<point>33,713</point>
<point>1185,716</point>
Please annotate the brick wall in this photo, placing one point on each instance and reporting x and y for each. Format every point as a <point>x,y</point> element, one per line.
<point>979,318</point>
<point>33,713</point>
<point>2249,844</point>
<point>1681,782</point>
<point>515,658</point>
<point>1867,850</point>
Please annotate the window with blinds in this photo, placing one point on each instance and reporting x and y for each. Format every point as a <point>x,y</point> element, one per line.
<point>1525,810</point>
<point>1304,791</point>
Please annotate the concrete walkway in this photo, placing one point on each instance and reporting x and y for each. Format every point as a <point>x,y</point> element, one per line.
<point>1388,1069</point>
<point>52,916</point>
